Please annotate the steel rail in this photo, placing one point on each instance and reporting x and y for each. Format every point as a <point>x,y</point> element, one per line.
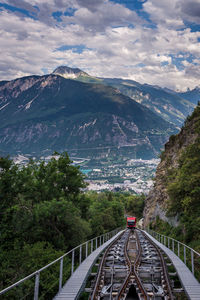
<point>99,273</point>
<point>164,267</point>
<point>133,272</point>
<point>111,281</point>
<point>127,279</point>
<point>135,267</point>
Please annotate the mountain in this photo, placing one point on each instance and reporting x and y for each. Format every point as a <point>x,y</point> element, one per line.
<point>47,113</point>
<point>171,106</point>
<point>176,193</point>
<point>67,72</point>
<point>192,95</point>
<point>167,104</point>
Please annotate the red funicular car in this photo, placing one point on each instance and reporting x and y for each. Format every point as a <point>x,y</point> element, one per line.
<point>131,222</point>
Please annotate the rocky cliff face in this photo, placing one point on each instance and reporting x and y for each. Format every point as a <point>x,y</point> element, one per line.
<point>156,204</point>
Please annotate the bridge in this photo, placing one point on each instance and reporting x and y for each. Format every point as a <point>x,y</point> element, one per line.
<point>84,257</point>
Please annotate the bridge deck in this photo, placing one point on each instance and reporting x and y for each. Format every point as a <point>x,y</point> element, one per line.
<point>189,282</point>
<point>73,286</point>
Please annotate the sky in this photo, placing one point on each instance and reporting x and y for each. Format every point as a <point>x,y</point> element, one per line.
<point>149,41</point>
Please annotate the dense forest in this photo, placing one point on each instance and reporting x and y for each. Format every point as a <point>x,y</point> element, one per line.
<point>45,211</point>
<point>183,184</point>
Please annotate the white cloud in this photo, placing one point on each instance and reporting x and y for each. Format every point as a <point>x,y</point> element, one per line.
<point>105,14</point>
<point>173,13</point>
<point>112,48</point>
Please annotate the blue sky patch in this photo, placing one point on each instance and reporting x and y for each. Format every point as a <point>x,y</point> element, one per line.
<point>193,26</point>
<point>180,57</point>
<point>140,65</point>
<point>70,12</point>
<point>164,63</point>
<point>20,10</point>
<point>45,70</point>
<point>57,16</point>
<point>75,48</point>
<point>131,4</point>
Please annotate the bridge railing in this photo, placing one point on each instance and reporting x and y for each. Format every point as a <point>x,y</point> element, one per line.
<point>189,256</point>
<point>76,256</point>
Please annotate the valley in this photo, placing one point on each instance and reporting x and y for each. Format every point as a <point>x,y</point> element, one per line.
<point>134,176</point>
<point>113,128</point>
<point>110,174</point>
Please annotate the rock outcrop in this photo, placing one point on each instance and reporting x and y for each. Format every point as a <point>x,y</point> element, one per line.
<point>156,203</point>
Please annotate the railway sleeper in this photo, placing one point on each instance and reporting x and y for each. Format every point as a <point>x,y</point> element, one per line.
<point>148,268</point>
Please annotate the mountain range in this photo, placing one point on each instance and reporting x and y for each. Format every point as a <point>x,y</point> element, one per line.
<point>173,106</point>
<point>72,111</point>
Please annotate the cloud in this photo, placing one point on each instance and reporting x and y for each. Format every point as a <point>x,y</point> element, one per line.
<point>40,10</point>
<point>165,12</point>
<point>102,15</point>
<point>173,13</point>
<point>99,39</point>
<point>191,11</point>
<point>91,4</point>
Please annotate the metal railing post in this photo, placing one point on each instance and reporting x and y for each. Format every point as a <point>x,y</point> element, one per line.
<point>184,255</point>
<point>86,250</point>
<point>37,282</point>
<point>178,249</point>
<point>168,243</point>
<point>96,242</point>
<point>91,246</point>
<point>103,239</point>
<point>192,261</point>
<point>173,245</point>
<point>72,271</point>
<point>61,274</point>
<point>80,254</point>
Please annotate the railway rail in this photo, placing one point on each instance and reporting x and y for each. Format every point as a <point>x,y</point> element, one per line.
<point>132,267</point>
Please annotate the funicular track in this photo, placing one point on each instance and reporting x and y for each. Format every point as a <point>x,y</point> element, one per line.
<point>132,267</point>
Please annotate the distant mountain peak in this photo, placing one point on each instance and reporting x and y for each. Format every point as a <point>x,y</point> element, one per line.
<point>68,72</point>
<point>197,88</point>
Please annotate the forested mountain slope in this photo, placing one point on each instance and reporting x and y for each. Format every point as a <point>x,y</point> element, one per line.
<point>175,197</point>
<point>172,106</point>
<point>40,113</point>
<point>168,104</point>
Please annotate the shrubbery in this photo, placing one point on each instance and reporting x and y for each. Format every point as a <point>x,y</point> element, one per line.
<point>44,213</point>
